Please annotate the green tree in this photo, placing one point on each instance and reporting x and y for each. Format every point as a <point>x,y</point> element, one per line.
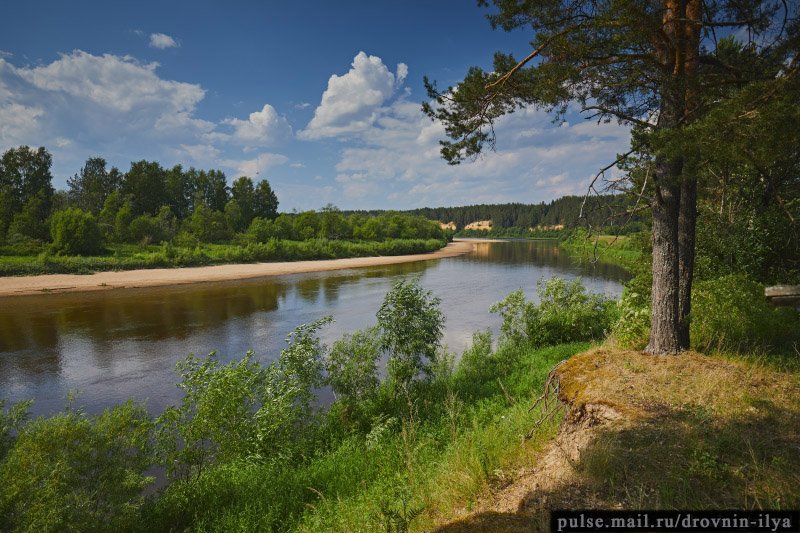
<point>243,192</point>
<point>75,232</point>
<point>24,175</point>
<point>210,188</point>
<point>75,472</point>
<point>89,188</point>
<point>30,220</point>
<point>145,185</point>
<point>180,191</point>
<point>234,217</point>
<point>208,225</point>
<point>266,203</point>
<point>655,65</point>
<point>333,224</point>
<point>411,326</point>
<point>352,366</point>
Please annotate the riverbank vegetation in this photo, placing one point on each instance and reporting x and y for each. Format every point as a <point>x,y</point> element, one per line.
<point>413,439</point>
<point>154,217</point>
<point>249,447</point>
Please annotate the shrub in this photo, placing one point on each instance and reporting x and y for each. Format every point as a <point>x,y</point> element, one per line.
<point>351,366</point>
<point>731,313</point>
<point>11,421</point>
<point>240,410</point>
<point>411,326</point>
<point>74,472</point>
<point>565,313</point>
<point>215,420</point>
<point>75,232</point>
<point>632,328</point>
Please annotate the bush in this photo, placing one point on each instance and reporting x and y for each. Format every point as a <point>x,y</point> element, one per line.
<point>730,313</point>
<point>632,328</point>
<point>73,472</point>
<point>566,313</point>
<point>240,410</point>
<point>352,368</point>
<point>75,232</point>
<point>411,326</point>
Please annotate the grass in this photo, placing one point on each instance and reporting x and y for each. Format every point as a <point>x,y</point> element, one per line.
<point>705,432</point>
<point>686,432</point>
<point>618,250</point>
<point>129,257</point>
<point>424,468</point>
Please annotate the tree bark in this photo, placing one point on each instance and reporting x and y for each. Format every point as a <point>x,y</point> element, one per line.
<point>664,331</point>
<point>675,206</point>
<point>687,222</point>
<point>687,218</point>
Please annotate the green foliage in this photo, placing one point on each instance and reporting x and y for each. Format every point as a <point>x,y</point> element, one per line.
<point>75,232</point>
<point>218,419</point>
<point>11,421</point>
<point>731,314</point>
<point>351,366</point>
<point>241,410</point>
<point>26,191</point>
<point>565,313</point>
<point>208,225</point>
<point>145,185</point>
<point>30,220</point>
<point>632,328</point>
<point>91,187</point>
<point>77,472</point>
<point>411,325</point>
<point>301,362</point>
<point>265,203</point>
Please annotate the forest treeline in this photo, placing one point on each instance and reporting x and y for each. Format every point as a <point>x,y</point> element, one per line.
<point>600,211</point>
<point>150,204</point>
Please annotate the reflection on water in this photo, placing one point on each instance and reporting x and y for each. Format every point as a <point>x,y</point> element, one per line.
<point>119,344</point>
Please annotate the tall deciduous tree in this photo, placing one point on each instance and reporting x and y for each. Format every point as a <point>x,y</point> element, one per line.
<point>656,65</point>
<point>145,183</point>
<point>25,180</point>
<point>89,188</point>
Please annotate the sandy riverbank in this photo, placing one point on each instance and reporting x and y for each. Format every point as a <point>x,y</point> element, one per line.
<point>157,277</point>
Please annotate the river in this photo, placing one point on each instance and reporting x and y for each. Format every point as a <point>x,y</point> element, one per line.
<point>109,346</point>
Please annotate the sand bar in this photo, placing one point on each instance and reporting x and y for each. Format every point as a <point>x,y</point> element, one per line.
<point>159,277</point>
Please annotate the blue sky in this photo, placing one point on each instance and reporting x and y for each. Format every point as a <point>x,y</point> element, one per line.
<point>321,98</point>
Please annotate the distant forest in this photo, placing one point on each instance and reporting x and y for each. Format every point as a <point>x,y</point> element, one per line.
<point>601,211</point>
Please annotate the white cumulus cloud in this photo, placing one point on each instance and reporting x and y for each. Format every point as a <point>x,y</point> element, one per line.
<point>261,128</point>
<point>352,101</point>
<point>162,41</point>
<point>118,83</point>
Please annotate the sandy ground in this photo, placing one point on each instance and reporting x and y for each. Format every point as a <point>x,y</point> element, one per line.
<point>156,277</point>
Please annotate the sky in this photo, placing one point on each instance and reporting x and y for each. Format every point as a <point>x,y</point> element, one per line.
<point>321,98</point>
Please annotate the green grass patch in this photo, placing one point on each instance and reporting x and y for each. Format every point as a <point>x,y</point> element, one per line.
<point>129,257</point>
<point>463,434</point>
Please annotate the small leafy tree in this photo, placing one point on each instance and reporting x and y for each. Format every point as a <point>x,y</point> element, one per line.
<point>214,420</point>
<point>352,367</point>
<point>411,326</point>
<point>76,232</point>
<point>74,472</point>
<point>240,410</point>
<point>301,362</point>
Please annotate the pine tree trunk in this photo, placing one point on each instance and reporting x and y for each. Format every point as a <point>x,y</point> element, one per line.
<point>687,222</point>
<point>675,205</point>
<point>664,331</point>
<point>687,219</point>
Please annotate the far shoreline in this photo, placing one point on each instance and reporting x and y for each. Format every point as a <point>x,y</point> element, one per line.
<point>12,286</point>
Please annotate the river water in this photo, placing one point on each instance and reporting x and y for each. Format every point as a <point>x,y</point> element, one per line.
<point>109,346</point>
